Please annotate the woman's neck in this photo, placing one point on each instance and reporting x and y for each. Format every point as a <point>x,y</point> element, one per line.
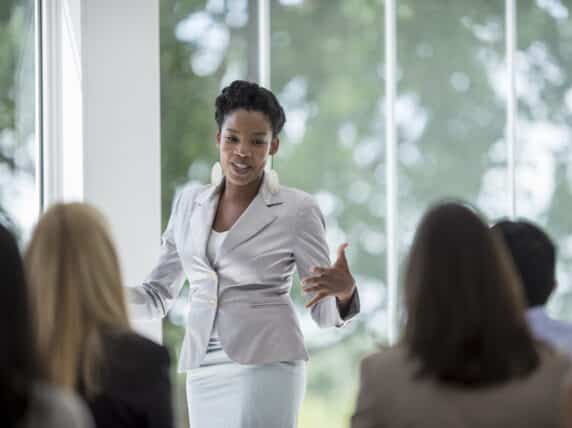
<point>241,194</point>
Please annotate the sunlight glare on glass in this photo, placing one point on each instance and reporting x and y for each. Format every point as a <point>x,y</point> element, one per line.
<point>347,134</point>
<point>211,51</point>
<point>554,7</point>
<point>295,127</point>
<point>194,26</point>
<point>291,2</point>
<point>237,13</point>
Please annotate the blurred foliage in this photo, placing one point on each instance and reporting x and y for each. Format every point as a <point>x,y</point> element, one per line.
<point>15,32</point>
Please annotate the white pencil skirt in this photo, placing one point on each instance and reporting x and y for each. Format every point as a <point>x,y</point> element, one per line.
<point>225,394</point>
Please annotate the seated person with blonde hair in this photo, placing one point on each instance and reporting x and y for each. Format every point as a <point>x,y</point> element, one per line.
<point>84,335</point>
<point>26,399</point>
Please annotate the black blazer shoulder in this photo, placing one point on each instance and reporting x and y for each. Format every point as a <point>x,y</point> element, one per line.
<point>135,384</point>
<point>130,358</point>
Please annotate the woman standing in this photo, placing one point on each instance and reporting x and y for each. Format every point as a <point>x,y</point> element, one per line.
<point>239,242</point>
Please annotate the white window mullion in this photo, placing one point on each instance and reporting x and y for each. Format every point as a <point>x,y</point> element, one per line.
<point>39,137</point>
<point>264,43</point>
<point>391,170</point>
<point>511,103</point>
<point>49,101</point>
<point>263,30</point>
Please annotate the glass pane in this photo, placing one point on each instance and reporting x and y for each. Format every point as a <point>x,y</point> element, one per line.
<point>327,70</point>
<point>544,152</point>
<point>204,46</point>
<point>18,192</point>
<point>450,107</point>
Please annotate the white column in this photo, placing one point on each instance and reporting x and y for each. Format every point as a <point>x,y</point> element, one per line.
<point>121,125</point>
<point>264,43</point>
<point>62,101</point>
<point>391,171</point>
<point>38,73</point>
<point>106,150</point>
<point>49,112</point>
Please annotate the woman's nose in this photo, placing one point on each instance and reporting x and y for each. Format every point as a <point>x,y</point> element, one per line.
<point>241,150</point>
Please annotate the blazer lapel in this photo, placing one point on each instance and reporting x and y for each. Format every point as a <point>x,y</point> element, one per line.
<point>257,217</point>
<point>202,220</point>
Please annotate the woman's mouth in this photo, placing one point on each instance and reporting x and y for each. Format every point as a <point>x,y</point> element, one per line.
<point>240,168</point>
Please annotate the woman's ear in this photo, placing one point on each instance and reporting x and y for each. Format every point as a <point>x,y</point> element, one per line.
<point>274,146</point>
<point>217,138</point>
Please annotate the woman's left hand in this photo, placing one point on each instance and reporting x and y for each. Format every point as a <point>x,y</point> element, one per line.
<point>336,280</point>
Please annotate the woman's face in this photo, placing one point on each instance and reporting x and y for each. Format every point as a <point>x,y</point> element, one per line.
<point>245,141</point>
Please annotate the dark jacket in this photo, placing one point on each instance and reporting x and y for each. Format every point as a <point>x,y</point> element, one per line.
<point>135,386</point>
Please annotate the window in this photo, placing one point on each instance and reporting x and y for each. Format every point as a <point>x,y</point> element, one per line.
<point>328,68</point>
<point>333,147</point>
<point>544,93</point>
<point>19,192</point>
<point>450,108</point>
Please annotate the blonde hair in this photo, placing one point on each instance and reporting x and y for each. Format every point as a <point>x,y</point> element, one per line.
<point>76,293</point>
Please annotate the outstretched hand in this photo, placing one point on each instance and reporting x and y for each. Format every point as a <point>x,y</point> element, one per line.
<point>336,280</point>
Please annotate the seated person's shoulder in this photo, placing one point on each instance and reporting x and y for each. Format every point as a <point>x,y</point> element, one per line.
<point>385,370</point>
<point>131,363</point>
<point>553,358</point>
<point>137,349</point>
<point>53,407</point>
<point>385,358</point>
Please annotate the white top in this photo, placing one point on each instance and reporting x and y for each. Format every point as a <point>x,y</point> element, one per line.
<point>214,244</point>
<point>213,247</point>
<point>555,332</point>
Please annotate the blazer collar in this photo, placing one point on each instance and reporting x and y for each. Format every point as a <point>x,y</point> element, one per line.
<point>253,220</point>
<point>212,192</point>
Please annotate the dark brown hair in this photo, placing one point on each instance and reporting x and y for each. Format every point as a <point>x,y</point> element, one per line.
<point>19,365</point>
<point>534,256</point>
<point>466,321</point>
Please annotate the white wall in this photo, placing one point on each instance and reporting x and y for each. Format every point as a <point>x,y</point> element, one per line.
<point>72,182</point>
<point>121,125</point>
<point>106,150</point>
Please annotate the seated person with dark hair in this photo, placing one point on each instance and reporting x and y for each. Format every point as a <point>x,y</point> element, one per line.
<point>534,256</point>
<point>467,358</point>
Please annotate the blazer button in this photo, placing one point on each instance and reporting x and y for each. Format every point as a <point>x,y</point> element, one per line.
<point>212,303</point>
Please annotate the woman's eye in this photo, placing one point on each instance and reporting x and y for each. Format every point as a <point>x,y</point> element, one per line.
<point>231,139</point>
<point>259,142</point>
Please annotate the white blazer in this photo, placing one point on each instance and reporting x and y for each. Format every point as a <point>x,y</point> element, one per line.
<point>248,285</point>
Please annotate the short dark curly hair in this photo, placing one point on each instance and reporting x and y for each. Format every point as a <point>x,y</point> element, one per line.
<point>241,94</point>
<point>534,255</point>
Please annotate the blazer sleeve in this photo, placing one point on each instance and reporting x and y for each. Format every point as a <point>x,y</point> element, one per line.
<point>310,250</point>
<point>367,406</point>
<point>155,296</point>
